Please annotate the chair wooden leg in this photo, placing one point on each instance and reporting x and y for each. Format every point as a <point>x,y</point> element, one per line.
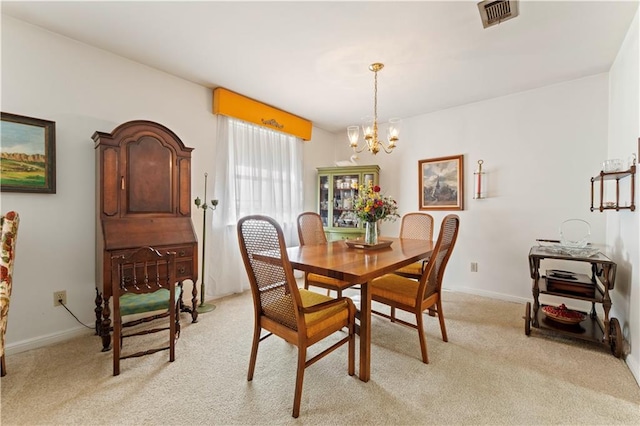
<point>302,360</point>
<point>3,367</point>
<point>254,352</point>
<point>423,338</point>
<point>352,340</point>
<point>117,343</point>
<point>393,314</point>
<point>178,327</point>
<point>443,329</point>
<point>172,332</point>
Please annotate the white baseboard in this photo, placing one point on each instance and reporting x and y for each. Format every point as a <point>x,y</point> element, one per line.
<point>50,339</point>
<point>489,294</point>
<point>634,368</point>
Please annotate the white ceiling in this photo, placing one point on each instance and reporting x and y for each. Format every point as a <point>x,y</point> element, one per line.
<point>312,58</point>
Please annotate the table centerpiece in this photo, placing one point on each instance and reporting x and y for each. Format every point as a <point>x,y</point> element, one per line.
<point>372,207</point>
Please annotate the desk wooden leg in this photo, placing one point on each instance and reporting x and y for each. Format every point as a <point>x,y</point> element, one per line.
<point>98,312</point>
<point>105,326</point>
<point>194,302</point>
<point>365,332</point>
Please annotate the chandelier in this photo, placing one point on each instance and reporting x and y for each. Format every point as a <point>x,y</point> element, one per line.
<point>370,126</point>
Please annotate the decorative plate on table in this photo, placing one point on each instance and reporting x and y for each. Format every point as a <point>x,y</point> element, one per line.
<point>563,315</point>
<point>360,244</point>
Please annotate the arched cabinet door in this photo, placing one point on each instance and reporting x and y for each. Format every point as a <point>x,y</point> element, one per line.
<point>148,181</point>
<point>145,170</point>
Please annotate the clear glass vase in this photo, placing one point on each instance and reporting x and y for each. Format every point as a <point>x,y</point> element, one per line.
<point>370,233</point>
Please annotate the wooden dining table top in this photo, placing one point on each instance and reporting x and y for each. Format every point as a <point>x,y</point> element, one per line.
<point>355,265</point>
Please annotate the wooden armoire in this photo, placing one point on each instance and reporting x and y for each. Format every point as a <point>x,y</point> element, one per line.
<point>143,198</point>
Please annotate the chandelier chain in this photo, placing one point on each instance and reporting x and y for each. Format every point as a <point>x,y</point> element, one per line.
<point>375,97</point>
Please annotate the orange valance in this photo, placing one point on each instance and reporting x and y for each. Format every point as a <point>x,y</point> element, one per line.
<point>232,104</point>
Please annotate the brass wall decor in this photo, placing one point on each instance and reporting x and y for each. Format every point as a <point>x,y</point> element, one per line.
<point>273,123</point>
<point>479,183</point>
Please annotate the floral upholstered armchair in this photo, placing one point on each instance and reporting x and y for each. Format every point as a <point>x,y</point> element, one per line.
<point>9,226</point>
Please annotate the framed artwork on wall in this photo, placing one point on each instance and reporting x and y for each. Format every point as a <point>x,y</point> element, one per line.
<point>440,183</point>
<point>27,154</point>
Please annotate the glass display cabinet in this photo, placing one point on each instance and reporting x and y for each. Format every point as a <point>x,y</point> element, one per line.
<point>337,191</point>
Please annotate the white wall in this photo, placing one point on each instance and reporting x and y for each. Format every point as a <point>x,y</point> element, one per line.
<point>320,151</point>
<point>623,230</point>
<point>540,149</point>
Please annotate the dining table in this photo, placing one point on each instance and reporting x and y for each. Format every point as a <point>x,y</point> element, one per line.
<point>359,265</point>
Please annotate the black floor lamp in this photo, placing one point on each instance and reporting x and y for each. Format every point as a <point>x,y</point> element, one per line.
<point>204,307</point>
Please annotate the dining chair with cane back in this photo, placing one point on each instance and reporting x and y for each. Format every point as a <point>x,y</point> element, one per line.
<point>298,316</point>
<point>418,226</point>
<point>144,287</point>
<point>311,232</point>
<point>415,296</point>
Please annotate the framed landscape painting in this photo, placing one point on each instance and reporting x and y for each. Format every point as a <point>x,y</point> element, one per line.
<point>27,154</point>
<point>440,183</point>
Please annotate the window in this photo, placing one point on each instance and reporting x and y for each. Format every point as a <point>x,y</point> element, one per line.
<point>258,171</point>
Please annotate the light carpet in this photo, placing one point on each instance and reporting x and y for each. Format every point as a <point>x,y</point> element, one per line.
<point>488,373</point>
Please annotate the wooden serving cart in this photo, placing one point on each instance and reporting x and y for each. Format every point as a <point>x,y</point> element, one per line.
<point>567,284</point>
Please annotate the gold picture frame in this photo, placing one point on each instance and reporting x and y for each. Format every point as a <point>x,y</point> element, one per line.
<point>441,184</point>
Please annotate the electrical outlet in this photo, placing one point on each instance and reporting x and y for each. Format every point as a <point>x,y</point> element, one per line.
<point>59,296</point>
<point>474,266</point>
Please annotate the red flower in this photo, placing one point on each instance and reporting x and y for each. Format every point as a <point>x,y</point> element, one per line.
<point>376,188</point>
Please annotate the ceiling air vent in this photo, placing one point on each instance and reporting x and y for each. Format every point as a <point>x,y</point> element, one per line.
<point>493,12</point>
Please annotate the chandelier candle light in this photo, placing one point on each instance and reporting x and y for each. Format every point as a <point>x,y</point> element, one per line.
<point>204,307</point>
<point>370,126</point>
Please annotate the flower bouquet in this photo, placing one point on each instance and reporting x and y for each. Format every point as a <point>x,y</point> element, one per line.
<point>370,207</point>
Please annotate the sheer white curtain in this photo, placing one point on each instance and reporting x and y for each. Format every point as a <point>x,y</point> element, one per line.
<point>258,171</point>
